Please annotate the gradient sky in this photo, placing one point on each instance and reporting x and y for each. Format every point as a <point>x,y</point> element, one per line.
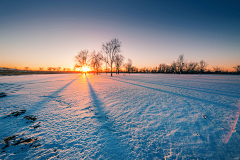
<point>50,33</point>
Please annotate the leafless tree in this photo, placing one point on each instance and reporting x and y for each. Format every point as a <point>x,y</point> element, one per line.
<point>192,67</point>
<point>105,59</point>
<point>111,49</point>
<point>162,67</point>
<point>129,65</point>
<point>64,69</point>
<point>174,67</point>
<point>26,68</point>
<point>40,68</point>
<point>180,63</point>
<point>118,61</point>
<point>237,68</point>
<point>49,68</point>
<point>59,68</point>
<point>54,68</point>
<point>134,69</point>
<point>217,69</point>
<point>202,65</point>
<point>81,59</point>
<point>96,59</point>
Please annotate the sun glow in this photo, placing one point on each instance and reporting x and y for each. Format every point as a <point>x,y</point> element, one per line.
<point>85,69</point>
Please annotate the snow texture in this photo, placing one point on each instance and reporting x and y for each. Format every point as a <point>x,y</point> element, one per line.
<point>140,116</point>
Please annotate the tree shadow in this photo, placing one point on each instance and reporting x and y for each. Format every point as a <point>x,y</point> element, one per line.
<point>112,147</point>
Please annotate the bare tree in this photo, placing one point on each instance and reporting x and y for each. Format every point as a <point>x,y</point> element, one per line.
<point>191,67</point>
<point>129,65</point>
<point>105,59</point>
<point>180,63</point>
<point>26,68</point>
<point>40,68</point>
<point>111,49</point>
<point>202,64</point>
<point>81,59</point>
<point>174,67</point>
<point>49,68</point>
<point>59,68</point>
<point>162,68</point>
<point>134,69</point>
<point>217,69</point>
<point>96,59</point>
<point>237,69</point>
<point>118,61</point>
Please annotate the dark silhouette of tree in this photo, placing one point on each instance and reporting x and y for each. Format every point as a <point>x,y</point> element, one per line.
<point>40,68</point>
<point>59,68</point>
<point>118,61</point>
<point>202,66</point>
<point>81,59</point>
<point>64,69</point>
<point>237,68</point>
<point>54,69</point>
<point>96,59</point>
<point>129,65</point>
<point>26,68</point>
<point>174,67</point>
<point>192,67</point>
<point>49,68</point>
<point>134,69</point>
<point>111,49</point>
<point>217,69</point>
<point>162,68</point>
<point>180,63</point>
<point>105,59</point>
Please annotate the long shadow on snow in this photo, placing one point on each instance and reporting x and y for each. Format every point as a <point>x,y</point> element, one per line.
<point>53,95</point>
<point>107,125</point>
<point>46,98</point>
<point>189,88</point>
<point>180,95</point>
<point>40,103</point>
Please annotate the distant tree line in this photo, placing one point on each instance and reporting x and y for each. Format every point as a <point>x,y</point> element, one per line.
<point>181,66</point>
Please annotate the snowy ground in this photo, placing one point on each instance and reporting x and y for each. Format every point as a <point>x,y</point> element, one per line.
<point>141,116</point>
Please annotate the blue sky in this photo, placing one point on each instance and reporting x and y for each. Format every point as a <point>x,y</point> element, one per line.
<point>50,33</point>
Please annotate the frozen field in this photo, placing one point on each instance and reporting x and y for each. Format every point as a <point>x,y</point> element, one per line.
<point>141,116</point>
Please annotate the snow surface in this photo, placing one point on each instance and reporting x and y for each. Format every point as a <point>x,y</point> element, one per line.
<point>139,116</point>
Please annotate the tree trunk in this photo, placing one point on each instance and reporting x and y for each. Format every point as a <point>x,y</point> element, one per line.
<point>106,68</point>
<point>111,71</point>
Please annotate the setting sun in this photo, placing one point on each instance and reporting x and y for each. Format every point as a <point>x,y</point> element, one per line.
<point>85,69</point>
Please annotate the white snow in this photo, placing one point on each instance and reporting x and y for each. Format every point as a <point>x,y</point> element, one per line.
<point>139,116</point>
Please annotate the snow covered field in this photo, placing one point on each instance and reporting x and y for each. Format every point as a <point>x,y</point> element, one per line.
<point>140,116</point>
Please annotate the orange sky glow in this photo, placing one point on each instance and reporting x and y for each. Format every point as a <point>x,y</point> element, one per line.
<point>52,34</point>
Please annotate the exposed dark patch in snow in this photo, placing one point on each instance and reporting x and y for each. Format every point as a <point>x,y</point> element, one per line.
<point>31,118</point>
<point>3,94</point>
<point>17,113</point>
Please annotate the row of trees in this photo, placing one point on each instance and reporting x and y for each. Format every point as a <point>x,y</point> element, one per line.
<point>49,69</point>
<point>180,66</point>
<point>109,56</point>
